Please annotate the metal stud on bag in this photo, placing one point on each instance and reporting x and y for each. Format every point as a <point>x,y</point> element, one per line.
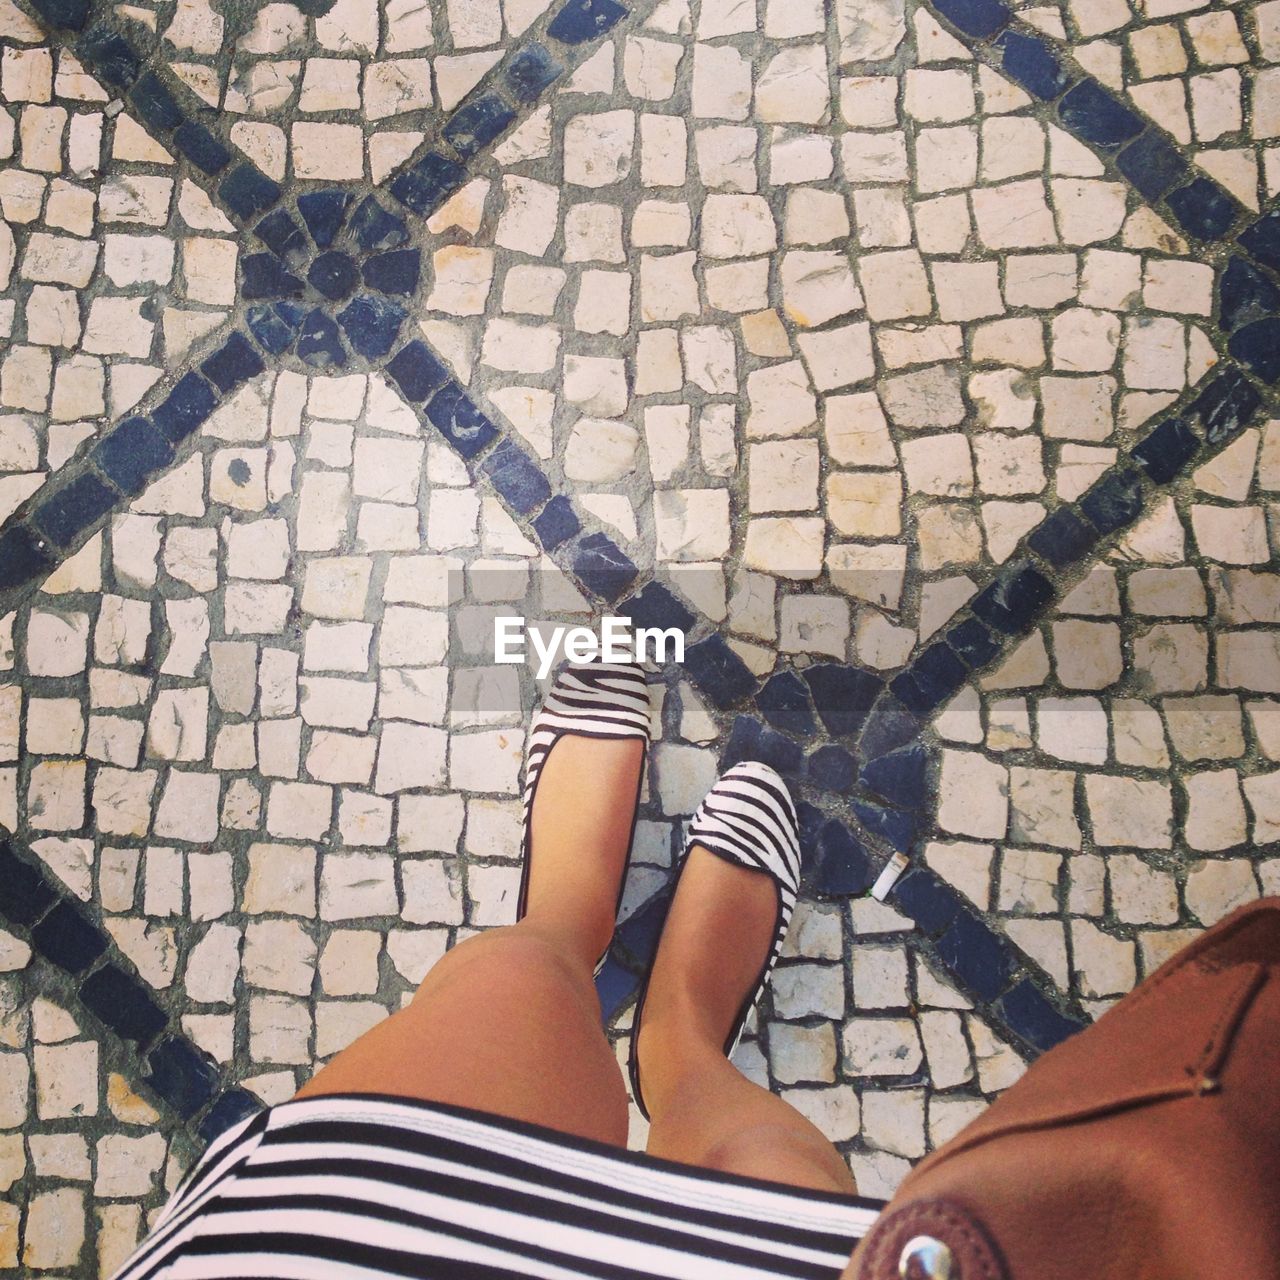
<point>924,1258</point>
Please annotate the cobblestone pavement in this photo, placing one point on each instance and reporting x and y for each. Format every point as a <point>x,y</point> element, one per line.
<point>914,358</point>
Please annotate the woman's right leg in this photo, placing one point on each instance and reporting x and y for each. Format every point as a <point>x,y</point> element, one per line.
<point>703,1110</point>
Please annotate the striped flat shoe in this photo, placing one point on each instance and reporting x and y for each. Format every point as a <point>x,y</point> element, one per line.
<point>748,819</point>
<point>586,700</point>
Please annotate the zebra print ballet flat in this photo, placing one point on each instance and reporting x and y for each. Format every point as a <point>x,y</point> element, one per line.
<point>747,818</point>
<point>586,700</point>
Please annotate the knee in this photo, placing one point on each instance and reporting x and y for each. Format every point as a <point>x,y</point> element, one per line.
<point>778,1152</point>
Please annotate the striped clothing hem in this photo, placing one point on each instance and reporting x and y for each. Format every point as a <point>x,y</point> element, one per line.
<point>368,1187</point>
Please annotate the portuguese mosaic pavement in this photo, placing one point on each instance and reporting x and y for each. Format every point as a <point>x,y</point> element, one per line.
<point>915,359</point>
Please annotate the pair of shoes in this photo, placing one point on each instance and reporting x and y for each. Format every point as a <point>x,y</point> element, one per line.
<point>747,818</point>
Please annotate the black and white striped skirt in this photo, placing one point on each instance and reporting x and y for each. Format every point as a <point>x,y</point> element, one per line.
<point>355,1187</point>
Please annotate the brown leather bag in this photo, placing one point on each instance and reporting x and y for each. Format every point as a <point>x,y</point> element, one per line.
<point>1145,1148</point>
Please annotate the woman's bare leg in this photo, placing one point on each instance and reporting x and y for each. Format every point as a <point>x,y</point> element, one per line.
<point>509,1022</point>
<point>704,1110</point>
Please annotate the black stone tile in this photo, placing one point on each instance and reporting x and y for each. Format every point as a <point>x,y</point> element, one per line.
<point>600,564</point>
<point>898,777</point>
<point>581,20</point>
<point>371,325</point>
<point>275,326</point>
<point>70,15</point>
<point>832,768</point>
<point>889,726</point>
<point>654,605</point>
<point>25,895</point>
<point>324,213</point>
<point>230,1109</point>
<point>1153,165</point>
<point>982,961</point>
<point>77,505</point>
<point>530,71</point>
<point>109,56</point>
<point>616,986</point>
<point>978,18</point>
<point>1257,347</point>
<point>1245,295</point>
<point>1063,538</point>
<point>1090,113</point>
<point>1026,1012</point>
<point>1166,450</point>
<point>718,671</point>
<point>1030,62</point>
<point>319,342</point>
<point>334,275</point>
<point>428,184</point>
<point>842,694</point>
<point>842,867</point>
<point>395,271</point>
<point>201,147</point>
<point>973,644</point>
<point>183,1076</point>
<point>1262,239</point>
<point>375,229</point>
<point>1225,406</point>
<point>477,123</point>
<point>282,234</point>
<point>23,557</point>
<point>750,740</point>
<point>67,938</point>
<point>894,825</point>
<point>156,108</point>
<point>556,523</point>
<point>517,478</point>
<point>263,275</point>
<point>638,935</point>
<point>246,191</point>
<point>784,703</point>
<point>456,417</point>
<point>1115,501</point>
<point>1014,600</point>
<point>235,362</point>
<point>124,1004</point>
<point>1203,209</point>
<point>926,898</point>
<point>930,679</point>
<point>810,820</point>
<point>417,371</point>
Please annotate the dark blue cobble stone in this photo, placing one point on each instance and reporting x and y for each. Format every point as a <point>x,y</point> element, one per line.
<point>1225,406</point>
<point>638,935</point>
<point>156,107</point>
<point>1203,209</point>
<point>67,938</point>
<point>654,605</point>
<point>599,563</point>
<point>1095,117</point>
<point>982,961</point>
<point>25,895</point>
<point>477,123</point>
<point>1153,165</point>
<point>889,726</point>
<point>324,212</point>
<point>530,71</point>
<point>110,57</point>
<point>1245,295</point>
<point>200,146</point>
<point>751,740</point>
<point>1257,347</point>
<point>1166,450</point>
<point>417,371</point>
<point>926,898</point>
<point>456,417</point>
<point>274,327</point>
<point>246,191</point>
<point>517,478</point>
<point>428,184</point>
<point>1262,239</point>
<point>375,229</point>
<point>334,275</point>
<point>832,768</point>
<point>784,703</point>
<point>319,342</point>
<point>122,1002</point>
<point>236,361</point>
<point>615,986</point>
<point>394,272</point>
<point>1029,1015</point>
<point>582,20</point>
<point>64,516</point>
<point>898,777</point>
<point>930,680</point>
<point>894,825</point>
<point>22,557</point>
<point>280,232</point>
<point>70,15</point>
<point>973,644</point>
<point>371,325</point>
<point>1114,501</point>
<point>842,694</point>
<point>1012,602</point>
<point>230,1109</point>
<point>810,820</point>
<point>1063,538</point>
<point>263,275</point>
<point>183,1076</point>
<point>978,18</point>
<point>842,866</point>
<point>1029,61</point>
<point>556,523</point>
<point>718,671</point>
